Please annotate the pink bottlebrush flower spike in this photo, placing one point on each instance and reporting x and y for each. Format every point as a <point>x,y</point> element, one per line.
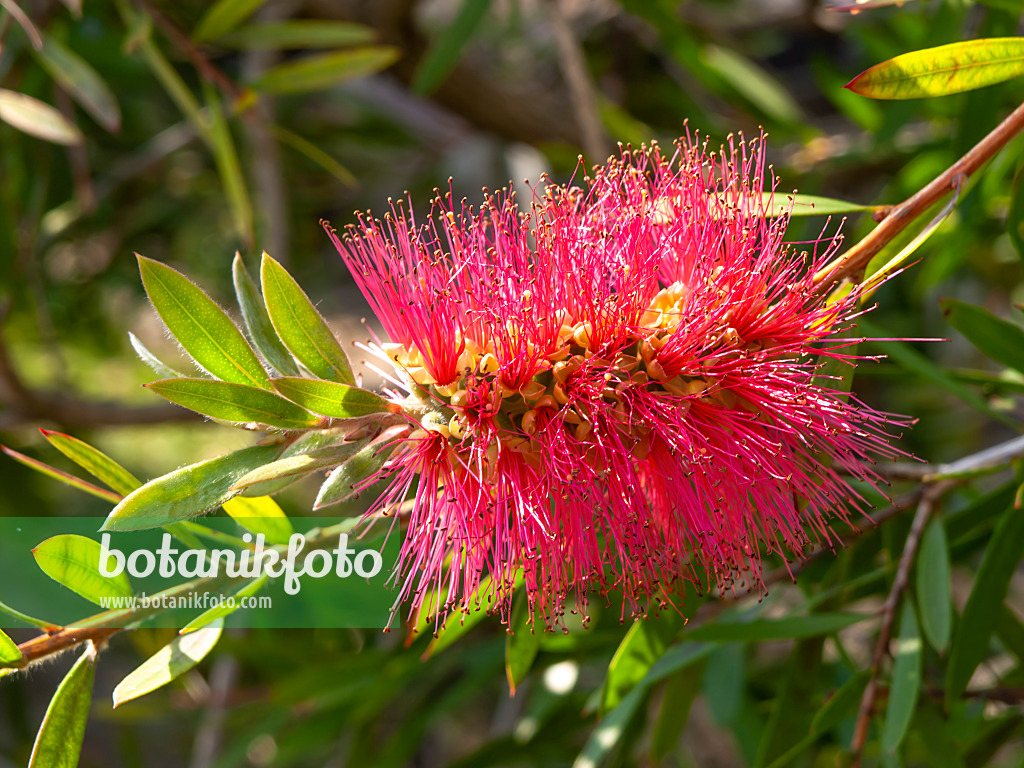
<point>612,391</point>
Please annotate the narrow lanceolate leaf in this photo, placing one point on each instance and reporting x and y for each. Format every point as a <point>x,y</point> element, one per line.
<point>906,681</point>
<point>940,71</point>
<point>301,464</point>
<point>521,643</point>
<point>30,620</point>
<point>9,653</point>
<point>225,156</point>
<point>225,609</point>
<point>223,16</point>
<point>981,613</point>
<point>61,476</point>
<point>1015,216</point>
<point>998,339</point>
<point>74,561</point>
<point>171,661</point>
<point>329,398</point>
<point>644,644</point>
<point>325,70</point>
<point>234,402</point>
<point>200,326</point>
<point>257,321</point>
<point>82,82</point>
<point>187,492</point>
<point>158,367</point>
<point>775,629</point>
<point>934,591</point>
<point>37,119</point>
<point>93,461</point>
<point>842,703</point>
<point>301,328</point>
<point>59,741</point>
<point>340,484</point>
<point>261,515</point>
<point>811,205</point>
<point>446,51</point>
<point>297,33</point>
<point>312,152</point>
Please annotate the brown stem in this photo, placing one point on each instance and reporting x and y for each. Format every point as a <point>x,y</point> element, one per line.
<point>867,703</point>
<point>853,262</point>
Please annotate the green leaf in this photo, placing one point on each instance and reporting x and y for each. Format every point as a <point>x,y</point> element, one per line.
<point>187,492</point>
<point>61,476</point>
<point>339,485</point>
<point>60,736</point>
<point>973,632</point>
<point>934,591</point>
<point>174,659</point>
<point>74,561</point>
<point>298,33</point>
<point>326,70</point>
<point>445,52</point>
<point>314,153</point>
<point>680,691</point>
<point>329,398</point>
<point>234,402</point>
<point>1015,216</point>
<point>944,70</point>
<point>301,464</point>
<point>76,76</point>
<point>1010,631</point>
<point>30,620</point>
<point>997,339</point>
<point>200,326</point>
<point>261,514</point>
<point>522,643</point>
<point>753,83</point>
<point>257,321</point>
<point>906,681</point>
<point>301,328</point>
<point>222,145</point>
<point>842,704</point>
<point>9,653</point>
<point>159,368</point>
<point>222,17</point>
<point>775,629</point>
<point>644,644</point>
<point>225,609</point>
<point>811,205</point>
<point>37,119</point>
<point>93,461</point>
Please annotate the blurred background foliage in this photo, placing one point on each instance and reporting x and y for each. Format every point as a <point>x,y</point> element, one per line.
<point>188,130</point>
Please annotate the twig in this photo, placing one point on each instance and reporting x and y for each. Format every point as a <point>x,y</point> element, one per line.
<point>929,498</point>
<point>211,731</point>
<point>856,259</point>
<point>577,80</point>
<point>986,460</point>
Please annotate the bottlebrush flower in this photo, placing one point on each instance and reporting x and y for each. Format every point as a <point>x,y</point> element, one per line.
<point>613,390</point>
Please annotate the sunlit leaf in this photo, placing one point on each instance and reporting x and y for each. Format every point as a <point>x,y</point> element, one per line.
<point>339,401</point>
<point>224,609</point>
<point>37,119</point>
<point>82,82</point>
<point>906,681</point>
<point>300,326</point>
<point>222,17</point>
<point>978,621</point>
<point>643,645</point>
<point>200,326</point>
<point>74,561</point>
<point>9,653</point>
<point>261,514</point>
<point>340,484</point>
<point>187,492</point>
<point>61,476</point>
<point>234,402</point>
<point>445,52</point>
<point>297,33</point>
<point>60,736</point>
<point>326,70</point>
<point>944,70</point>
<point>171,661</point>
<point>257,321</point>
<point>158,367</point>
<point>934,590</point>
<point>93,461</point>
<point>998,339</point>
<point>300,464</point>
